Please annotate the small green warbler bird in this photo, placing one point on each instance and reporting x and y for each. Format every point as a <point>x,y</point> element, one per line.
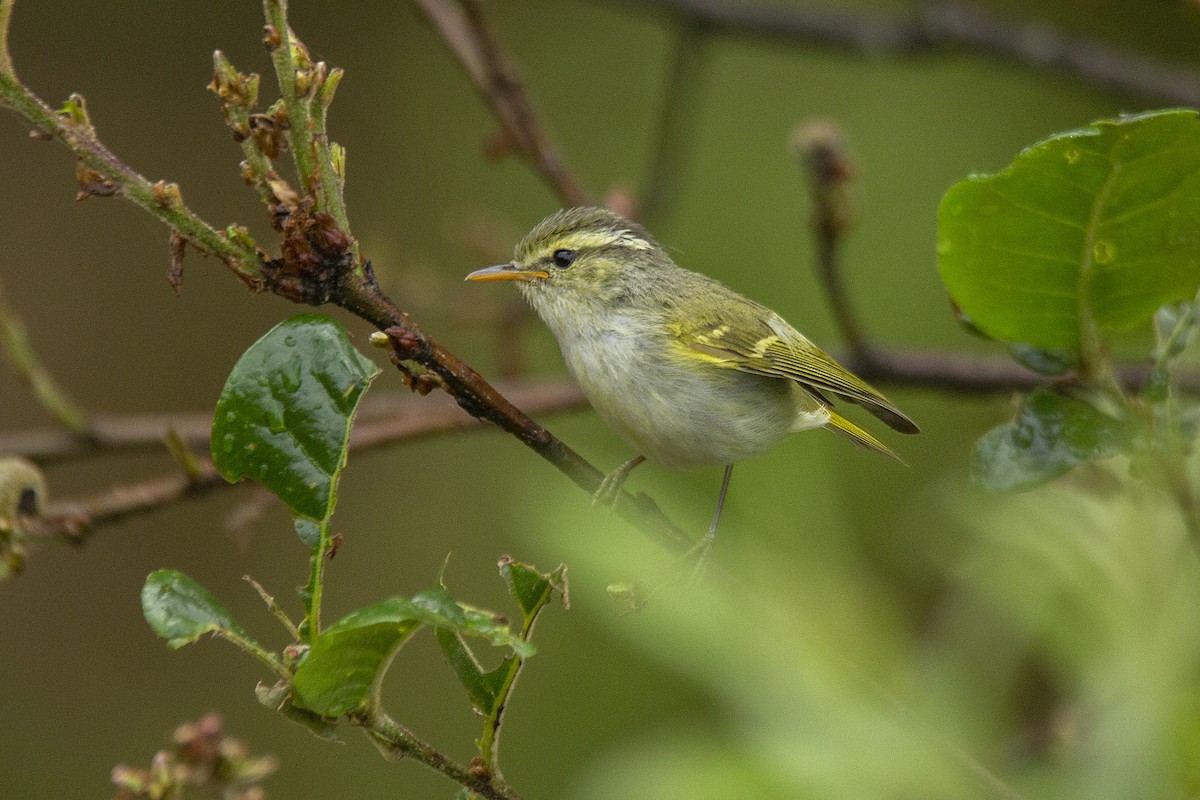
<point>685,369</point>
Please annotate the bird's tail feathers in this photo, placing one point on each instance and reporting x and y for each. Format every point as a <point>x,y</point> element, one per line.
<point>839,424</point>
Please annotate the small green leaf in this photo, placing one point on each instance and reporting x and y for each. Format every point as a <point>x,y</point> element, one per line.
<point>482,687</point>
<point>284,415</point>
<point>439,609</point>
<point>532,589</point>
<point>1050,434</point>
<point>1045,362</point>
<point>489,690</point>
<point>346,663</point>
<point>1094,226</point>
<point>181,610</point>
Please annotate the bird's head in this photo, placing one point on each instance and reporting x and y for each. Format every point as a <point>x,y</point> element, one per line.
<point>585,255</point>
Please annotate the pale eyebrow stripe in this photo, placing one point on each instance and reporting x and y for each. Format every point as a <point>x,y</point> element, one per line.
<point>600,239</point>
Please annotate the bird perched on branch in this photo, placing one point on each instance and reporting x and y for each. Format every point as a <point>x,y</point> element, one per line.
<point>685,369</point>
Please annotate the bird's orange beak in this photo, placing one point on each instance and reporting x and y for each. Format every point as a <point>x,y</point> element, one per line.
<point>507,272</point>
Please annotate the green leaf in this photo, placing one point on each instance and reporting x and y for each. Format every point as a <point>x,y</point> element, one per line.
<point>284,415</point>
<point>347,662</point>
<point>1094,226</point>
<point>439,609</point>
<point>1045,362</point>
<point>484,688</point>
<point>532,589</point>
<point>181,610</point>
<point>1050,434</point>
<point>489,690</point>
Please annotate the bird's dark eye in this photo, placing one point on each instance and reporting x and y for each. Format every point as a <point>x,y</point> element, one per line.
<point>564,258</point>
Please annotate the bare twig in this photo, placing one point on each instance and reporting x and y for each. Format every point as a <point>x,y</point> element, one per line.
<point>461,25</point>
<point>926,370</point>
<point>939,25</point>
<point>383,418</point>
<point>390,418</point>
<point>74,520</point>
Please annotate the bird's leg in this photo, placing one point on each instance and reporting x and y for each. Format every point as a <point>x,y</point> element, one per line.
<point>704,547</point>
<point>610,487</point>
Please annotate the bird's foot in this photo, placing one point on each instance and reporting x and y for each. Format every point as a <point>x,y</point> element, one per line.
<point>610,487</point>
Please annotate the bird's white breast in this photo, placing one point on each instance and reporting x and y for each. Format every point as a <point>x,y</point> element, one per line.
<point>677,411</point>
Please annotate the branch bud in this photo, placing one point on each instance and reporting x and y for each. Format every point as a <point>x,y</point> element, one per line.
<point>167,195</point>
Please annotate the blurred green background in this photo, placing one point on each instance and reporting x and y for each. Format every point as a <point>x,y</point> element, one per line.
<point>868,555</point>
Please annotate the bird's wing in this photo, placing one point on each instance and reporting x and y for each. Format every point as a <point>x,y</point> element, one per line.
<point>765,344</point>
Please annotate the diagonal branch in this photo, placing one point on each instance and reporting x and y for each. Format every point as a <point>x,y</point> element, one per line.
<point>319,262</point>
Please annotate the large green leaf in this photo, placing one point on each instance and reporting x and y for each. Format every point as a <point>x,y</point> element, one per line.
<point>1101,221</point>
<point>347,662</point>
<point>1050,434</point>
<point>181,610</point>
<point>284,415</point>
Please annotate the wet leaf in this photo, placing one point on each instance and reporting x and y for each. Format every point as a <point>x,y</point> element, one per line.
<point>1099,221</point>
<point>1050,434</point>
<point>284,416</point>
<point>181,610</point>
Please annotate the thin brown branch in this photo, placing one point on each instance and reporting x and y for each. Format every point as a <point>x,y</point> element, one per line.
<point>971,375</point>
<point>461,24</point>
<point>940,25</point>
<point>101,173</point>
<point>388,418</point>
<point>382,418</point>
<point>74,520</point>
<point>410,418</point>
